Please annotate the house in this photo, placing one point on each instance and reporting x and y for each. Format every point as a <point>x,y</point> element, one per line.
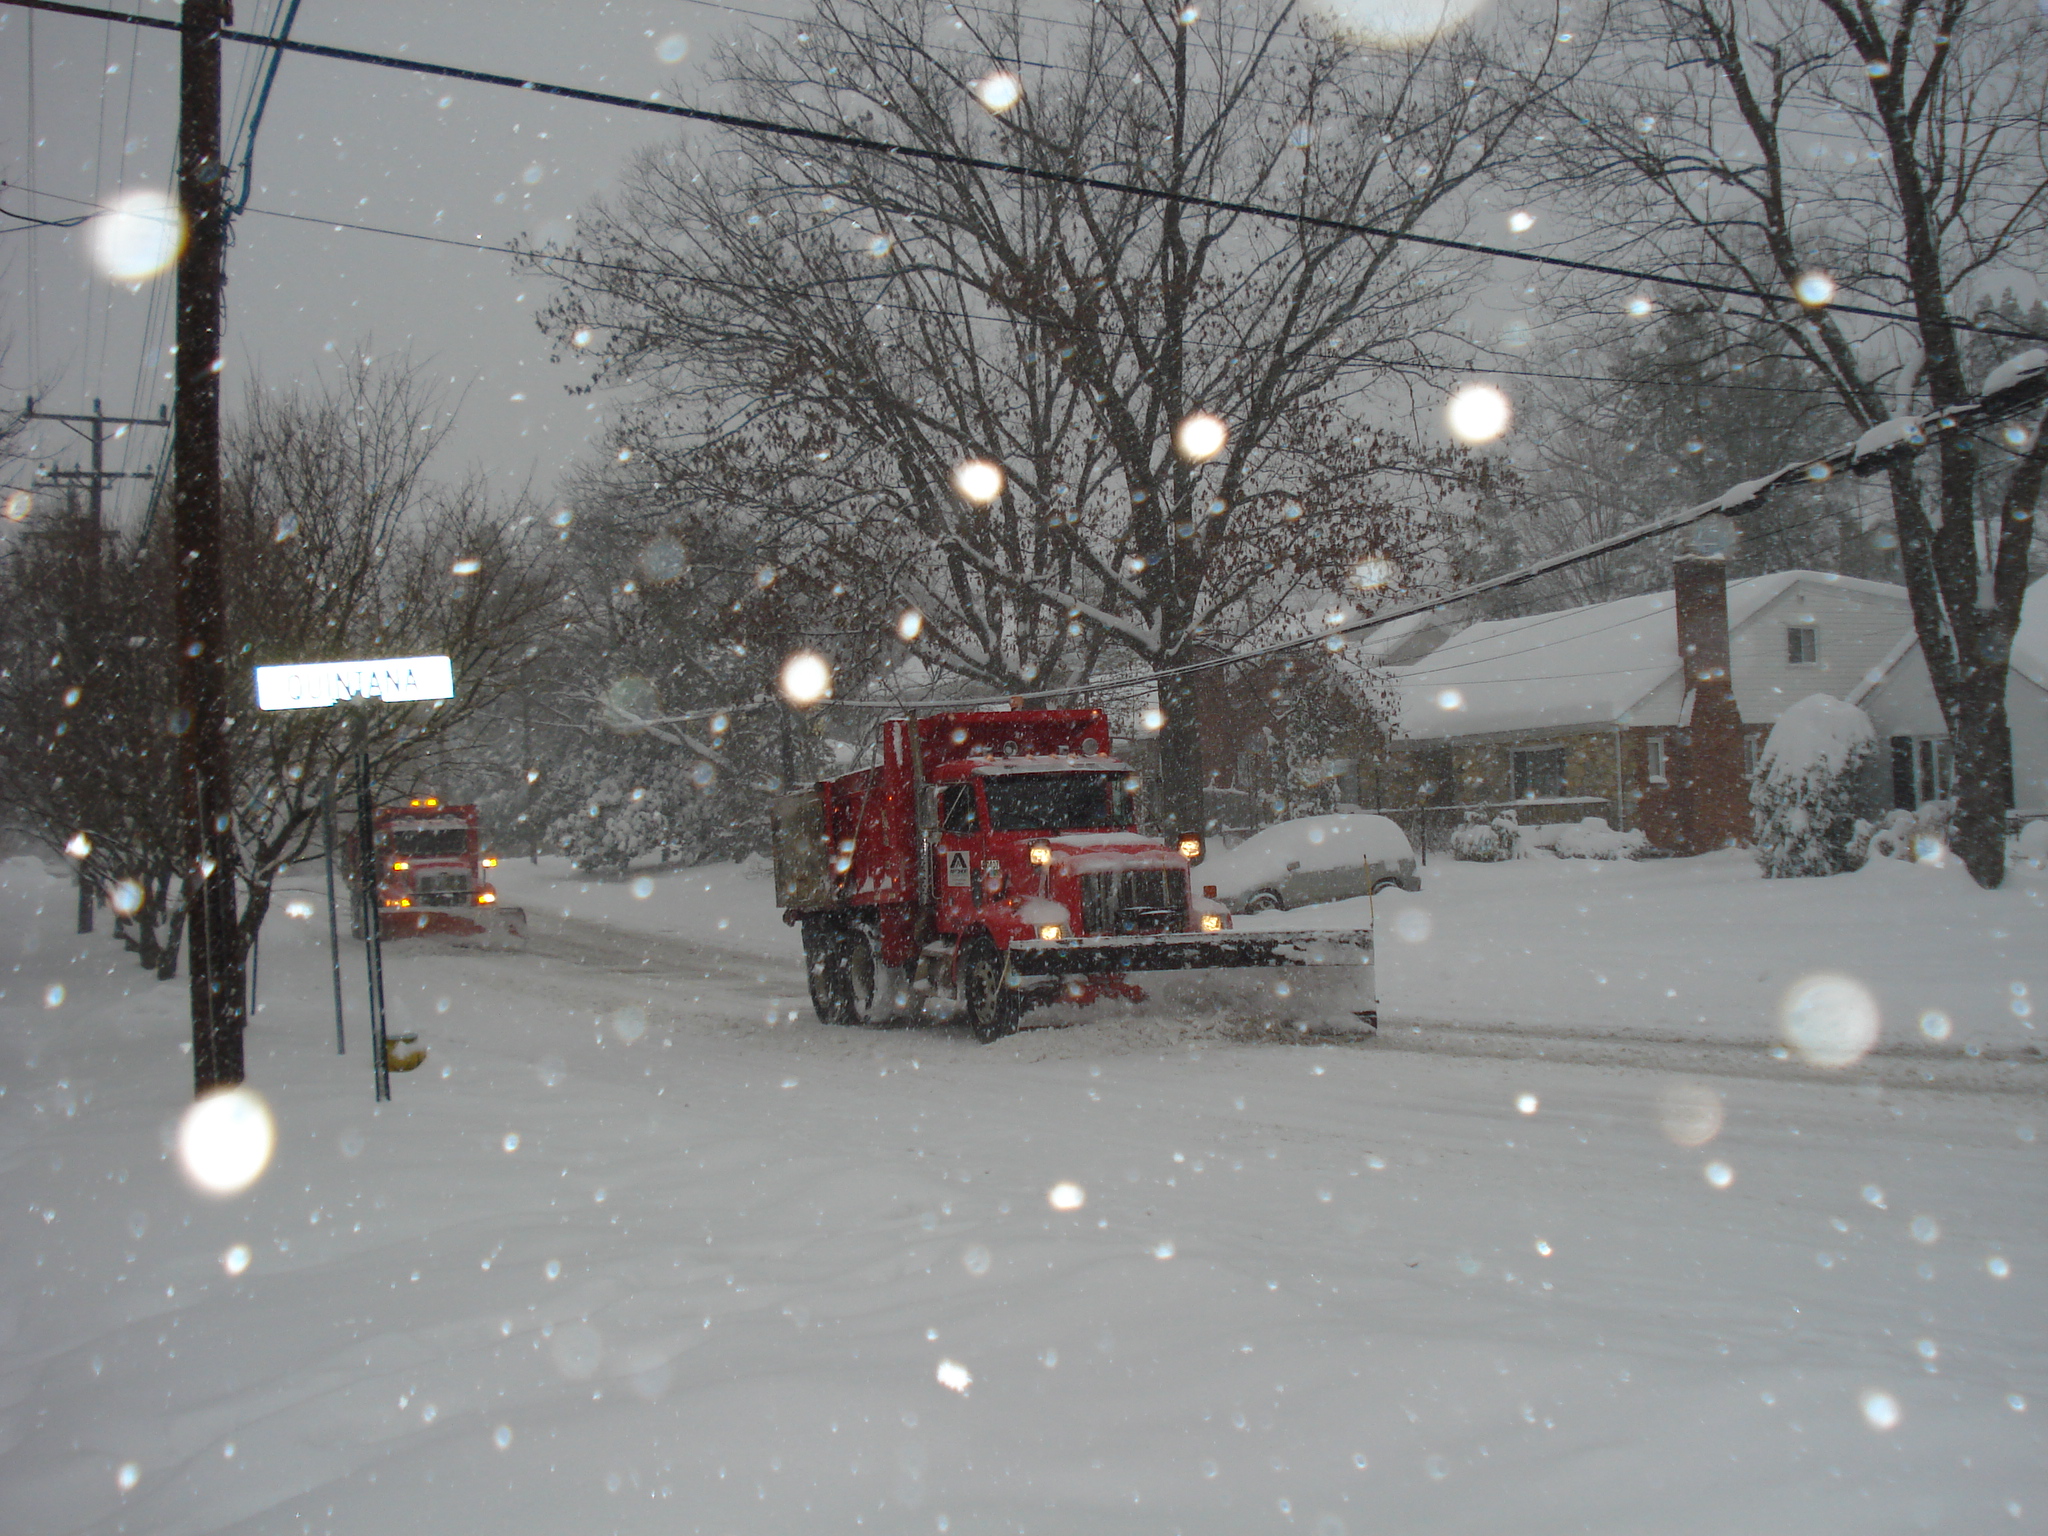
<point>1650,711</point>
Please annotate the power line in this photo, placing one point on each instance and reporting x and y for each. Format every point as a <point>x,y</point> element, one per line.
<point>835,140</point>
<point>2027,390</point>
<point>560,258</point>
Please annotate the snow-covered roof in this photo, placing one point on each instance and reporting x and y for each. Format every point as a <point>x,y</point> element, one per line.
<point>1580,666</point>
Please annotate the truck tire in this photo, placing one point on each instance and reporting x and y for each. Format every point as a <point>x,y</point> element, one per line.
<point>991,1004</point>
<point>823,962</point>
<point>840,965</point>
<point>1264,901</point>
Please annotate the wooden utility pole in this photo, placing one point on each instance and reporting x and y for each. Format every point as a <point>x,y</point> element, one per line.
<point>206,764</point>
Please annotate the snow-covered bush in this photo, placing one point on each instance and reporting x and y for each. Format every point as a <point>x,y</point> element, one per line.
<point>1479,841</point>
<point>1801,802</point>
<point>1903,835</point>
<point>1590,838</point>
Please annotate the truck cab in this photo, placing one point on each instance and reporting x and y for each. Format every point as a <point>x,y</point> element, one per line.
<point>433,873</point>
<point>1048,847</point>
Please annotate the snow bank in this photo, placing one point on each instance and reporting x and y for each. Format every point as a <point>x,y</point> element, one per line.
<point>1590,838</point>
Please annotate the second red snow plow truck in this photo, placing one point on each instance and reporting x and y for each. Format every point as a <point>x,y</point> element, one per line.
<point>992,863</point>
<point>432,875</point>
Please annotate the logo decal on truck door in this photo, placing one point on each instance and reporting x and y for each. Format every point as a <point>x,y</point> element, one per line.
<point>959,867</point>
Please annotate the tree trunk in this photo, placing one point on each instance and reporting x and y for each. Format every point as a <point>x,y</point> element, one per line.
<point>1180,757</point>
<point>167,957</point>
<point>1982,743</point>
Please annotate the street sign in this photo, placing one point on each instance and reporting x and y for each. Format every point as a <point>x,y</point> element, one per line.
<point>321,684</point>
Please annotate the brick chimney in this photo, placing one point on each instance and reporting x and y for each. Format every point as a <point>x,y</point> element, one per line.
<point>1711,794</point>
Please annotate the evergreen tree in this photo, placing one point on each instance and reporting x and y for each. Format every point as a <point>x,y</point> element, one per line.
<point>1803,797</point>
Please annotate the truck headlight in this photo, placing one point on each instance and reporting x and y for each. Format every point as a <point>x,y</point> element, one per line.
<point>1041,854</point>
<point>490,863</point>
<point>398,864</point>
<point>1212,922</point>
<point>1051,932</point>
<point>486,896</point>
<point>1190,847</point>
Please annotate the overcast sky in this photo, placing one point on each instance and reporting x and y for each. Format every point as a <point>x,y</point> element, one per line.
<point>338,142</point>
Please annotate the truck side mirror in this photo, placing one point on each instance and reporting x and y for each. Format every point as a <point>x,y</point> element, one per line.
<point>928,807</point>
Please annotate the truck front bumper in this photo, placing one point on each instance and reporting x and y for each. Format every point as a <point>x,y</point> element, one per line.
<point>1190,952</point>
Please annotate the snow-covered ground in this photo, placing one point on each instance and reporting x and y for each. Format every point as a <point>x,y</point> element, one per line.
<point>644,1248</point>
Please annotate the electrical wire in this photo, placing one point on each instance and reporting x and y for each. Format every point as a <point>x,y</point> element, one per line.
<point>544,256</point>
<point>284,31</point>
<point>836,140</point>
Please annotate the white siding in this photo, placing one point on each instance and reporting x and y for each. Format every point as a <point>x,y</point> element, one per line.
<point>1857,629</point>
<point>1904,704</point>
<point>2026,708</point>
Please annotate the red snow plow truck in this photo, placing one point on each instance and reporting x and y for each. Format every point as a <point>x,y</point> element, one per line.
<point>991,864</point>
<point>432,875</point>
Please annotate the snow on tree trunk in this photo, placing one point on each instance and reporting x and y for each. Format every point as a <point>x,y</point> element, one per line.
<point>1802,799</point>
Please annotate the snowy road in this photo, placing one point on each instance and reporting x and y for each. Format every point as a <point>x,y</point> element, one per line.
<point>638,1251</point>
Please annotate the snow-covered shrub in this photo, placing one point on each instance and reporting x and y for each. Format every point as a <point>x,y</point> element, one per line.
<point>1801,802</point>
<point>1590,838</point>
<point>1903,835</point>
<point>1479,841</point>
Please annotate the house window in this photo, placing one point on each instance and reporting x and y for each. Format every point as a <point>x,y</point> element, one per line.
<point>1802,644</point>
<point>1752,750</point>
<point>1653,759</point>
<point>1935,775</point>
<point>1539,775</point>
<point>1923,769</point>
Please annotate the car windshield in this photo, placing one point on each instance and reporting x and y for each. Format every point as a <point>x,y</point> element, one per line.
<point>1058,802</point>
<point>430,842</point>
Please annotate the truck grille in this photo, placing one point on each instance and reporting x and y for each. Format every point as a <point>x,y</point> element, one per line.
<point>1119,901</point>
<point>442,891</point>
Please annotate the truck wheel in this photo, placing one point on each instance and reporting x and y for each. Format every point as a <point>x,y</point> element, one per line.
<point>991,1005</point>
<point>840,965</point>
<point>1264,901</point>
<point>825,967</point>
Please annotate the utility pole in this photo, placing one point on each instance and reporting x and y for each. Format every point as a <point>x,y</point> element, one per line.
<point>218,981</point>
<point>94,431</point>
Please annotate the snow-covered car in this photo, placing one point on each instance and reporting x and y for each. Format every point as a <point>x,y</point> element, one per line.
<point>1310,859</point>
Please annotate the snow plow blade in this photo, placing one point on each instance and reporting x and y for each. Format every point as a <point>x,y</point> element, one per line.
<point>470,927</point>
<point>1190,952</point>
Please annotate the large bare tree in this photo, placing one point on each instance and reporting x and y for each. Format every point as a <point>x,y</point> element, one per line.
<point>1896,155</point>
<point>821,334</point>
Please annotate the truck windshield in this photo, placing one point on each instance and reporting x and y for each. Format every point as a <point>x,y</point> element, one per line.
<point>1057,802</point>
<point>430,842</point>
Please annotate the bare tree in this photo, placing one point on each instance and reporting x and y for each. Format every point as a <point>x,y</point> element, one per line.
<point>1894,155</point>
<point>85,692</point>
<point>823,334</point>
<point>345,546</point>
<point>342,547</point>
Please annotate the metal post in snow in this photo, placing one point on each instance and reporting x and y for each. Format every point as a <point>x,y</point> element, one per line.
<point>352,685</point>
<point>333,917</point>
<point>373,915</point>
